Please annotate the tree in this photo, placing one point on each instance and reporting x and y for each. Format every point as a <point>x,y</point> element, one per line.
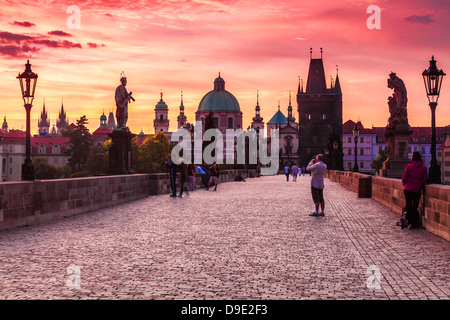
<point>377,163</point>
<point>44,170</point>
<point>80,142</point>
<point>153,152</point>
<point>97,162</point>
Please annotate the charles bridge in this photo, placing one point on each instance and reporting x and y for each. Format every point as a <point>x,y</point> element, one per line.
<point>123,237</point>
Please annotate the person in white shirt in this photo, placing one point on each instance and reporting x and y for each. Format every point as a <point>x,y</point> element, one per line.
<point>317,169</point>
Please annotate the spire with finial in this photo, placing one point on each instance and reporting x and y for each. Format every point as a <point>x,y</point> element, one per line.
<point>290,117</point>
<point>257,118</point>
<point>181,117</point>
<point>337,84</point>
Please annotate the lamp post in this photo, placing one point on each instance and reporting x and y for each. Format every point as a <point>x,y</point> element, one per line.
<point>432,78</point>
<point>28,80</point>
<point>335,147</point>
<point>356,137</point>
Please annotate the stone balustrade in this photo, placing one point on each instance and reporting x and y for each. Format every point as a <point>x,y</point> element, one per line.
<point>434,207</point>
<point>25,203</point>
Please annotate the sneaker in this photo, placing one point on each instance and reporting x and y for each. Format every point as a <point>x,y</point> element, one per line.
<point>314,214</point>
<point>322,214</point>
<point>179,196</point>
<point>173,195</point>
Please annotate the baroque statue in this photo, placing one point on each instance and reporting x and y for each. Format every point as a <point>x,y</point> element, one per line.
<point>122,100</point>
<point>397,103</point>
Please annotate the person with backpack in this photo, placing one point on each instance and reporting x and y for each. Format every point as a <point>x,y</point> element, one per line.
<point>413,179</point>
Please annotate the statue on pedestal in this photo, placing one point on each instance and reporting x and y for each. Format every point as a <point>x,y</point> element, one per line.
<point>122,100</point>
<point>397,103</point>
<point>120,155</point>
<point>397,130</point>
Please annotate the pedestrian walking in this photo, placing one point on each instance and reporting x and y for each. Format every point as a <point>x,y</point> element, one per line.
<point>303,171</point>
<point>214,169</point>
<point>191,176</point>
<point>317,169</point>
<point>172,170</point>
<point>287,171</point>
<point>294,172</point>
<point>182,169</point>
<point>413,179</point>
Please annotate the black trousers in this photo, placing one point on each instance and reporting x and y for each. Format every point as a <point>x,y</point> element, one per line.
<point>412,203</point>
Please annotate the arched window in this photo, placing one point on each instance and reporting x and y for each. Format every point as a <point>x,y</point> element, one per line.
<point>42,149</point>
<point>56,149</point>
<point>161,117</point>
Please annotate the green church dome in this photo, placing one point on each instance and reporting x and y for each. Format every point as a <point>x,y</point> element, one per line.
<point>219,99</point>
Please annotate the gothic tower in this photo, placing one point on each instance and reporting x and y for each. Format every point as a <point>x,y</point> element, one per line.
<point>44,122</point>
<point>320,114</point>
<point>61,122</point>
<point>111,121</point>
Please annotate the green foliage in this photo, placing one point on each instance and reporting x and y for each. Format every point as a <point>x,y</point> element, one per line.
<point>80,142</point>
<point>44,170</point>
<point>80,174</point>
<point>152,154</point>
<point>377,163</point>
<point>98,162</point>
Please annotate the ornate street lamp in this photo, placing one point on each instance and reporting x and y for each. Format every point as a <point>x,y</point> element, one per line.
<point>356,137</point>
<point>28,80</point>
<point>432,78</point>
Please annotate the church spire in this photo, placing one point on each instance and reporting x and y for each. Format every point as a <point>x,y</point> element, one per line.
<point>181,118</point>
<point>337,84</point>
<point>290,117</point>
<point>257,117</point>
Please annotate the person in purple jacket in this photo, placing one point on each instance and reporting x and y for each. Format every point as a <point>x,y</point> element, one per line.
<point>413,179</point>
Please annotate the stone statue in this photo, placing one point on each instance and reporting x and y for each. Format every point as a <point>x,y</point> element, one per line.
<point>122,100</point>
<point>397,103</point>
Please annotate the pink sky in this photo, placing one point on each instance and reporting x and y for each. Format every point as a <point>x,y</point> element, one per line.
<point>176,45</point>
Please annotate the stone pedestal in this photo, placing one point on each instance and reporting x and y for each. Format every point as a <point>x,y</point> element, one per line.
<point>120,159</point>
<point>398,159</point>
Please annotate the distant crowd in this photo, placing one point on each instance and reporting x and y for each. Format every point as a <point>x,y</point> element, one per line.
<point>186,173</point>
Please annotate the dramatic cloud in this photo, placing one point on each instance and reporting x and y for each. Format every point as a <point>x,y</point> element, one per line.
<point>420,19</point>
<point>8,36</point>
<point>25,24</point>
<point>95,45</point>
<point>29,44</point>
<point>59,33</point>
<point>17,51</point>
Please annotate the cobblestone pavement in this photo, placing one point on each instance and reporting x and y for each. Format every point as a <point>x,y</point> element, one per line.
<point>248,240</point>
